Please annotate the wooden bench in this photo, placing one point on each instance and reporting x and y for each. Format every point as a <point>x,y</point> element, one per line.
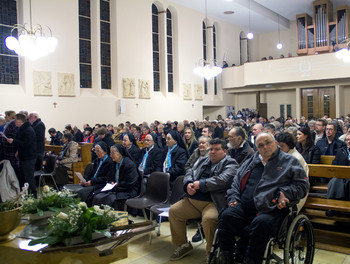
<point>328,233</point>
<point>85,158</point>
<point>318,186</point>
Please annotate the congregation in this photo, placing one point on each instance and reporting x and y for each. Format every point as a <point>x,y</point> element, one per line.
<point>229,167</point>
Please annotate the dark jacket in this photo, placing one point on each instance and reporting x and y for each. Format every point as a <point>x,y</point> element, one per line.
<point>221,176</point>
<point>136,154</point>
<point>9,150</point>
<point>193,158</point>
<point>312,155</point>
<point>39,129</point>
<point>241,154</point>
<point>154,160</point>
<point>25,141</point>
<point>128,179</point>
<point>342,157</point>
<point>178,161</point>
<point>104,174</point>
<point>192,147</point>
<point>57,139</point>
<point>78,137</point>
<point>323,145</point>
<point>283,172</point>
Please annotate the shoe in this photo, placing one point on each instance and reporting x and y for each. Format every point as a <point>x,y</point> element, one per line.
<point>181,251</point>
<point>197,237</point>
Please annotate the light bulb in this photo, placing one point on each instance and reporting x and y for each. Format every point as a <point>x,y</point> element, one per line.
<point>279,45</point>
<point>250,35</point>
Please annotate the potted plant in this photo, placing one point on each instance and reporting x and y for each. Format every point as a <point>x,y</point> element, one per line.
<point>10,217</point>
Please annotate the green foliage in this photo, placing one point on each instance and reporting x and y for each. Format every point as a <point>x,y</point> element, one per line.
<point>79,221</point>
<point>49,200</point>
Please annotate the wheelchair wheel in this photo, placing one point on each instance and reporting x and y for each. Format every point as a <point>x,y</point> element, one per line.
<point>300,242</point>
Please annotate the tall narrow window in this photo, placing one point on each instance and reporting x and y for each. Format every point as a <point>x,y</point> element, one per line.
<point>105,26</point>
<point>85,44</point>
<point>155,42</point>
<point>214,57</point>
<point>169,36</point>
<point>9,73</point>
<point>282,114</point>
<point>289,110</point>
<point>205,54</point>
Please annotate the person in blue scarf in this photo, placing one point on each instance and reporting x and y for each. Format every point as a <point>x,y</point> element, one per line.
<point>126,179</point>
<point>176,156</point>
<point>97,178</point>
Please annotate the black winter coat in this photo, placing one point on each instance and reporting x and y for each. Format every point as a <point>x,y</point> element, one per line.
<point>25,141</point>
<point>154,160</point>
<point>39,129</point>
<point>128,180</point>
<point>104,174</point>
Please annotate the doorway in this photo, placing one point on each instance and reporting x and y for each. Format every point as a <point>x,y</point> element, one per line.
<point>318,102</point>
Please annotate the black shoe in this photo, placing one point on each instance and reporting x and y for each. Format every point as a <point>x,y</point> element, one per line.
<point>197,237</point>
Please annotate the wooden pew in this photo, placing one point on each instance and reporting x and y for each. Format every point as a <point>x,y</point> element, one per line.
<point>317,186</point>
<point>329,233</point>
<point>85,158</point>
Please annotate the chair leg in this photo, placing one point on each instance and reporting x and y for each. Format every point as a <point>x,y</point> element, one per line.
<point>144,214</point>
<point>199,226</point>
<point>125,207</point>
<point>54,182</point>
<point>160,221</point>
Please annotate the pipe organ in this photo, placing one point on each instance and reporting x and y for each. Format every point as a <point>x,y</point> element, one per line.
<point>321,33</point>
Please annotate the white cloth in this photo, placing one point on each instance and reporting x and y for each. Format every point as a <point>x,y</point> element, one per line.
<point>9,186</point>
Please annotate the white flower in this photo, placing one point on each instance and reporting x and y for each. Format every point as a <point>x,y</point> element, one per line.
<point>96,208</point>
<point>30,201</point>
<point>46,189</point>
<point>82,204</point>
<point>62,215</point>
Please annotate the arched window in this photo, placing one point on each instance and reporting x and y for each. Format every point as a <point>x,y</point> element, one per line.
<point>9,73</point>
<point>170,61</point>
<point>214,57</point>
<point>155,42</point>
<point>105,35</point>
<point>205,53</point>
<point>85,44</point>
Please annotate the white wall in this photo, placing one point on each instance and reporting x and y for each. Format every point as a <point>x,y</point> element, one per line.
<point>131,22</point>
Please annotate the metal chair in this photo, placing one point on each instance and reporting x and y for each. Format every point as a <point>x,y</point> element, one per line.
<point>157,191</point>
<point>47,171</point>
<point>176,194</point>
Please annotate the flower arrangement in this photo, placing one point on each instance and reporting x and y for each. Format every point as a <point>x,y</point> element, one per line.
<point>79,221</point>
<point>49,200</point>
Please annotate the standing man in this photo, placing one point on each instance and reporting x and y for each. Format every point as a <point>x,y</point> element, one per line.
<point>39,129</point>
<point>25,141</point>
<point>205,185</point>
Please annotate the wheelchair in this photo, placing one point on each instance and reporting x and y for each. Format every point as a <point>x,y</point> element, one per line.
<point>295,237</point>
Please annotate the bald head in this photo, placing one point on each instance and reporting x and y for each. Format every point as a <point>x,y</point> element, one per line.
<point>257,129</point>
<point>266,145</point>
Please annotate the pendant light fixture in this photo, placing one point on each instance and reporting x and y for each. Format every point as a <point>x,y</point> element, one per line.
<point>250,34</point>
<point>279,44</point>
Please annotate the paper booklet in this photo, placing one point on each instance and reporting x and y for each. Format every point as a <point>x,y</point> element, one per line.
<point>81,178</point>
<point>108,186</point>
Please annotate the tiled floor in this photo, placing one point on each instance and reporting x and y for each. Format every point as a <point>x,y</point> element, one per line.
<point>141,252</point>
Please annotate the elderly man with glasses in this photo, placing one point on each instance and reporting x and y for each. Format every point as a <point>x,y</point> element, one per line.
<point>264,185</point>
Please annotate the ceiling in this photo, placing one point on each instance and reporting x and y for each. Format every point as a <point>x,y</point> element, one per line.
<point>265,15</point>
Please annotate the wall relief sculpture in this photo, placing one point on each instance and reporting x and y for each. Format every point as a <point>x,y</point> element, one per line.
<point>42,83</point>
<point>187,91</point>
<point>198,92</point>
<point>128,88</point>
<point>144,89</point>
<point>66,84</point>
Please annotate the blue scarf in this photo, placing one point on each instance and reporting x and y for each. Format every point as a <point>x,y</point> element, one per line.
<point>168,158</point>
<point>144,160</point>
<point>117,170</point>
<point>99,166</point>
